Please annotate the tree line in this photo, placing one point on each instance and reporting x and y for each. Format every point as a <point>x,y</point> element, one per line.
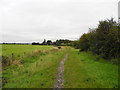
<point>103,40</point>
<point>60,42</point>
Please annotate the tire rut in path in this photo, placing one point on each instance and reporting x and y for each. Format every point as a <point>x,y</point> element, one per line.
<point>59,83</point>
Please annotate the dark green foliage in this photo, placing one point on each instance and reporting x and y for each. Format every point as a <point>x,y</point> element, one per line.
<point>49,42</point>
<point>34,43</point>
<point>104,40</point>
<point>84,42</point>
<point>62,42</point>
<point>44,42</point>
<point>75,44</point>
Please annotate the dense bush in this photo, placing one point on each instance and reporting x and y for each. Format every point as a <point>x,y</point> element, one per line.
<point>104,40</point>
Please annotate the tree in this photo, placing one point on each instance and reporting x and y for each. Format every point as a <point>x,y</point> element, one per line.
<point>44,42</point>
<point>75,44</point>
<point>103,40</point>
<point>34,43</point>
<point>84,42</point>
<point>49,42</point>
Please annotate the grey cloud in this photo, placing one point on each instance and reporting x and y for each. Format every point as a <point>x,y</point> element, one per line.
<point>32,20</point>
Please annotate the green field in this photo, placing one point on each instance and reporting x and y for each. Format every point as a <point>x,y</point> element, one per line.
<point>22,50</point>
<point>84,70</point>
<point>39,70</point>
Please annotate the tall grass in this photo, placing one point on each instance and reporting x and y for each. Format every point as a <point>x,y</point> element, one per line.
<point>37,71</point>
<point>15,53</point>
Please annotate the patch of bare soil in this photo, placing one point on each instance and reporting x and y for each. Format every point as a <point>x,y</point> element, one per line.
<point>60,82</point>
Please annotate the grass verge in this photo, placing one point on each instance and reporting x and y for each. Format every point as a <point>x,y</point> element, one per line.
<point>37,71</point>
<point>83,70</point>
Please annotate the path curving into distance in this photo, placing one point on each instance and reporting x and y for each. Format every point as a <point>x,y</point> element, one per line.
<point>60,82</point>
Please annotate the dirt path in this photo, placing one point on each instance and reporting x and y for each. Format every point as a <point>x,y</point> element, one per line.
<point>59,82</point>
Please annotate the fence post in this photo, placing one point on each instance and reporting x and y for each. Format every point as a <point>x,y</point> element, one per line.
<point>12,57</point>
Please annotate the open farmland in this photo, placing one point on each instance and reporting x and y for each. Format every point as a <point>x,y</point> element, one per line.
<point>36,68</point>
<point>37,71</point>
<point>40,70</point>
<point>20,51</point>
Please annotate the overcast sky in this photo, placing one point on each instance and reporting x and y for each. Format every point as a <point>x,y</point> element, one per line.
<point>35,20</point>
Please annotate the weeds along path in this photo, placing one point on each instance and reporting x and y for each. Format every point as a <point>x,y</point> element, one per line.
<point>37,71</point>
<point>59,82</point>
